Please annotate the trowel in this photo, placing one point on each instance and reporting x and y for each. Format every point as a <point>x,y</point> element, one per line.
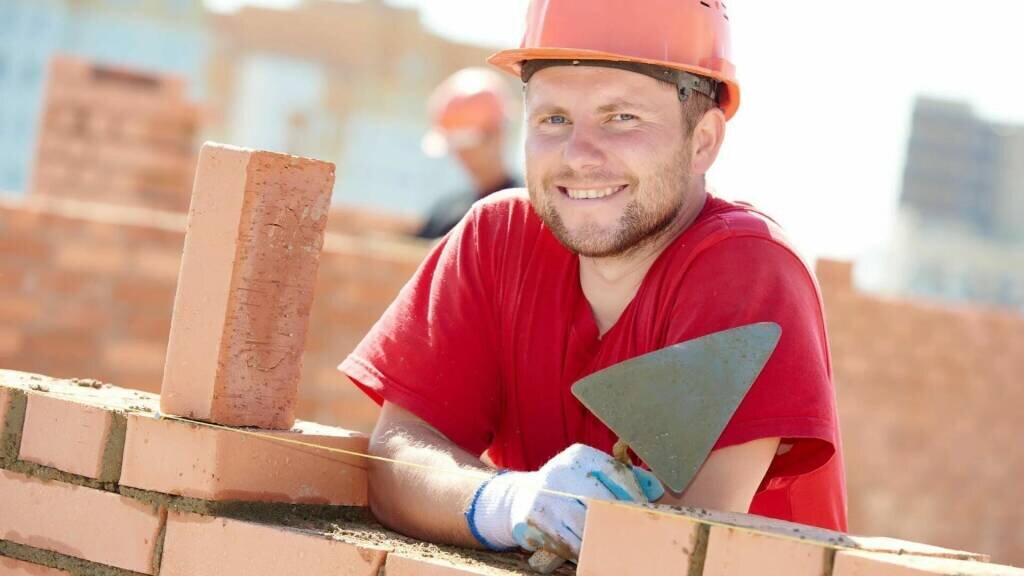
<point>670,406</point>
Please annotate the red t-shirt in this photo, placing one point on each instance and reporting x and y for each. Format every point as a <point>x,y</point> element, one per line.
<point>487,338</point>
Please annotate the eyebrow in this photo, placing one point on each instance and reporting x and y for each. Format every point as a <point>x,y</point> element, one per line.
<point>615,105</point>
<point>620,104</point>
<point>548,110</point>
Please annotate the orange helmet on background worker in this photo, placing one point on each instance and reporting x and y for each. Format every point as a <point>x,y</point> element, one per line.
<point>468,116</point>
<point>468,106</point>
<point>685,42</point>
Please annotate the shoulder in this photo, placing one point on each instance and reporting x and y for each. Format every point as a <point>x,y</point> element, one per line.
<point>505,216</point>
<point>739,231</point>
<point>724,218</point>
<point>503,203</point>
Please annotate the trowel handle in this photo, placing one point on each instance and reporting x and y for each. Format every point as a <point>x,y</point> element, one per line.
<point>544,562</point>
<point>621,452</point>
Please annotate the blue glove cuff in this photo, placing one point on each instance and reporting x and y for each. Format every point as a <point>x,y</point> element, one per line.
<point>470,515</point>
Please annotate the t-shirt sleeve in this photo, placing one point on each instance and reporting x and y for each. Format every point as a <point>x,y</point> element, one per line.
<point>748,279</point>
<point>433,350</point>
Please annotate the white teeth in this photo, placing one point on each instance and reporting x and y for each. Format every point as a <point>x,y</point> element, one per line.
<point>579,194</point>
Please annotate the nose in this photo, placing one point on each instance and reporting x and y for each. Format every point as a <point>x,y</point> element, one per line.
<point>583,149</point>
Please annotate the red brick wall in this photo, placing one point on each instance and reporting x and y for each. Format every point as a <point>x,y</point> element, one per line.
<point>88,289</point>
<point>930,402</point>
<point>929,396</point>
<point>115,135</point>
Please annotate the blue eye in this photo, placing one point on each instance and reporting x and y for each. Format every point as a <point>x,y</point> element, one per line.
<point>624,117</point>
<point>556,119</point>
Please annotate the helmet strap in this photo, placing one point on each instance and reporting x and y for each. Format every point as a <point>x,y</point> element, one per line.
<point>685,82</point>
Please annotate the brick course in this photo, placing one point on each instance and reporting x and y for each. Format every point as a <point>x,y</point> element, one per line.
<point>929,397</point>
<point>203,546</point>
<point>81,522</point>
<point>197,461</point>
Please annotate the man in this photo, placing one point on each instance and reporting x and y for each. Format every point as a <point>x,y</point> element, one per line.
<point>468,112</point>
<point>617,251</point>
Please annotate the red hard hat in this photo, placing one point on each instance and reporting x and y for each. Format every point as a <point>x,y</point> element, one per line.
<point>687,35</point>
<point>467,105</point>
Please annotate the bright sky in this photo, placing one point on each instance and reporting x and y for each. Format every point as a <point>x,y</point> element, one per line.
<point>828,89</point>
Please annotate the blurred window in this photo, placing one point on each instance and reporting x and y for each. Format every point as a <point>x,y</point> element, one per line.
<point>31,72</point>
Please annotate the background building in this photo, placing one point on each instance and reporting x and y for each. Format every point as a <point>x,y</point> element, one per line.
<point>345,82</point>
<point>115,135</point>
<point>156,35</point>
<point>960,227</point>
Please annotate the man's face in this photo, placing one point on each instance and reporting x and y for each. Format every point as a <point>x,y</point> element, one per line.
<point>607,157</point>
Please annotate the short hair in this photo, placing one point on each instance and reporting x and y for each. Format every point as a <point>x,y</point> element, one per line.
<point>694,108</point>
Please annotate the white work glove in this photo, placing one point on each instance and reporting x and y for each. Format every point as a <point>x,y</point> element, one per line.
<point>511,510</point>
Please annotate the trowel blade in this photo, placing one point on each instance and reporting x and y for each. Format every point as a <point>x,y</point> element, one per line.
<point>671,405</point>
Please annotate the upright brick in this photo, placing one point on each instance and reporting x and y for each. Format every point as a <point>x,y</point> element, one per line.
<point>206,546</point>
<point>621,538</point>
<point>849,563</point>
<point>198,461</point>
<point>90,524</point>
<point>241,311</point>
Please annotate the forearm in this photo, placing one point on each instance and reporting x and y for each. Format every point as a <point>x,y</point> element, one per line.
<point>728,479</point>
<point>426,501</point>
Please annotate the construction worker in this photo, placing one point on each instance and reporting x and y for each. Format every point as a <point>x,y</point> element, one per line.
<point>468,113</point>
<point>616,249</point>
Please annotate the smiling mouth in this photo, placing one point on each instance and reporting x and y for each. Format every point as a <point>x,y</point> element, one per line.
<point>590,193</point>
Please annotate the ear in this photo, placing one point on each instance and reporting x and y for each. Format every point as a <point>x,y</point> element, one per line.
<point>706,140</point>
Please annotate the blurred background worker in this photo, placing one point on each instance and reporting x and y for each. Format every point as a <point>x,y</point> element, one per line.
<point>468,112</point>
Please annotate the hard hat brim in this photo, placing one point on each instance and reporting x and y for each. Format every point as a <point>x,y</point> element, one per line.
<point>511,61</point>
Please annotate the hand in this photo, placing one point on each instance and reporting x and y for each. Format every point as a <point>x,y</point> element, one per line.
<point>513,508</point>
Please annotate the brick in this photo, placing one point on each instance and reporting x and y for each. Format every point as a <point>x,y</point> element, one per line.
<point>199,461</point>
<point>143,293</point>
<point>738,552</point>
<point>10,342</point>
<point>625,539</point>
<point>248,271</point>
<point>205,546</point>
<point>149,328</point>
<point>66,283</point>
<point>906,548</point>
<point>402,565</point>
<point>101,258</point>
<point>20,309</point>
<point>24,249</point>
<point>135,356</point>
<point>158,264</point>
<point>72,436</point>
<point>81,393</point>
<point>13,567</point>
<point>870,564</point>
<point>821,536</point>
<point>12,278</point>
<point>89,524</point>
<point>83,318</point>
<point>77,348</point>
